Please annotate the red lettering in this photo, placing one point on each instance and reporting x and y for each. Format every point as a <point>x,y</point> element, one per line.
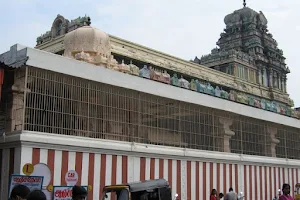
<point>63,193</point>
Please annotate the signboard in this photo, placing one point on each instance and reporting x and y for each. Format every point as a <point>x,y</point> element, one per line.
<point>64,192</point>
<point>32,182</point>
<point>28,169</point>
<point>71,178</point>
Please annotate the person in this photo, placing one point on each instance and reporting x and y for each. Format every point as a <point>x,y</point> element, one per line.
<point>19,192</point>
<point>231,195</point>
<point>221,195</point>
<point>36,195</point>
<point>78,193</point>
<point>213,194</point>
<point>286,190</point>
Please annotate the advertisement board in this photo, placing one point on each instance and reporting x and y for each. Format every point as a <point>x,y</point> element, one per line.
<point>63,192</point>
<point>32,182</point>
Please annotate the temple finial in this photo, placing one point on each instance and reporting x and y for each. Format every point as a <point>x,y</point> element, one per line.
<point>244,3</point>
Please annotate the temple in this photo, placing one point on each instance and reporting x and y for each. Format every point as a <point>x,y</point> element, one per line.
<point>88,101</point>
<point>248,51</point>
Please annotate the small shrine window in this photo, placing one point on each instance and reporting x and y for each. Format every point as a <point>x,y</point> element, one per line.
<point>58,28</point>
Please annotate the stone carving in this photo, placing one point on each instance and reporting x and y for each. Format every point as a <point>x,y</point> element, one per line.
<point>134,69</point>
<point>193,85</point>
<point>112,63</point>
<point>201,87</point>
<point>102,60</point>
<point>61,26</point>
<point>224,94</point>
<point>263,104</point>
<point>295,114</point>
<point>166,78</point>
<point>174,80</point>
<point>145,72</point>
<point>282,110</point>
<point>242,98</point>
<point>209,89</point>
<point>268,105</point>
<point>184,83</point>
<point>89,40</point>
<point>83,57</point>
<point>217,92</point>
<point>232,95</point>
<point>257,103</point>
<point>250,51</point>
<point>251,101</point>
<point>274,107</point>
<point>124,68</point>
<point>288,111</point>
<point>155,74</point>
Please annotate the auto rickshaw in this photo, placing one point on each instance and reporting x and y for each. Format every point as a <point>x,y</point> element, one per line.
<point>297,191</point>
<point>157,189</point>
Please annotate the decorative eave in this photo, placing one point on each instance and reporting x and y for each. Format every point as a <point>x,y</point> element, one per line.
<point>59,64</point>
<point>16,57</point>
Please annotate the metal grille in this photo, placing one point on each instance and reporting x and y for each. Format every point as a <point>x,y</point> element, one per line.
<point>68,105</point>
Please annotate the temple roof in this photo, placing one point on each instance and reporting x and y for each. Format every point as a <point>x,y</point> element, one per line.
<point>245,15</point>
<point>246,32</point>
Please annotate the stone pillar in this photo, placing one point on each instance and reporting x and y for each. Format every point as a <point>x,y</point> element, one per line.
<point>284,83</point>
<point>279,82</point>
<point>226,133</point>
<point>260,75</point>
<point>270,78</point>
<point>275,79</point>
<point>265,77</point>
<point>272,141</point>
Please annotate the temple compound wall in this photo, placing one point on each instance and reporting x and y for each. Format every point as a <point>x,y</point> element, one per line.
<point>191,173</point>
<point>71,114</point>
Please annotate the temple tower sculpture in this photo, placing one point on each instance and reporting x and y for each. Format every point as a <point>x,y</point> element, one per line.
<point>248,51</point>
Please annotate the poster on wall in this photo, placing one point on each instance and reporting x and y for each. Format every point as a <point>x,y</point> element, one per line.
<point>32,182</point>
<point>64,192</point>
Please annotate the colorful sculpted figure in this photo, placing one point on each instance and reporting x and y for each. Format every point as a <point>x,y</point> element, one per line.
<point>202,87</point>
<point>155,74</point>
<point>268,105</point>
<point>263,104</point>
<point>210,89</point>
<point>101,59</point>
<point>112,63</point>
<point>295,114</point>
<point>184,83</point>
<point>232,95</point>
<point>242,98</point>
<point>274,107</point>
<point>224,94</point>
<point>257,103</point>
<point>166,77</point>
<point>134,70</point>
<point>145,72</point>
<point>217,92</point>
<point>288,111</point>
<point>251,100</point>
<point>174,80</point>
<point>124,68</point>
<point>198,86</point>
<point>283,110</point>
<point>193,85</point>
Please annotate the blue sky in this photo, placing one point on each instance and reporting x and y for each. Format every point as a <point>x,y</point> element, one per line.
<point>181,28</point>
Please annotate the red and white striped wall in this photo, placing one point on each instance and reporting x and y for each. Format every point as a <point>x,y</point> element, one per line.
<point>192,180</point>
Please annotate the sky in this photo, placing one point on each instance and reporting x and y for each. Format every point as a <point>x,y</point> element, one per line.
<point>184,29</point>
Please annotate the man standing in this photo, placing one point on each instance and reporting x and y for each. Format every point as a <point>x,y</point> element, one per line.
<point>231,195</point>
